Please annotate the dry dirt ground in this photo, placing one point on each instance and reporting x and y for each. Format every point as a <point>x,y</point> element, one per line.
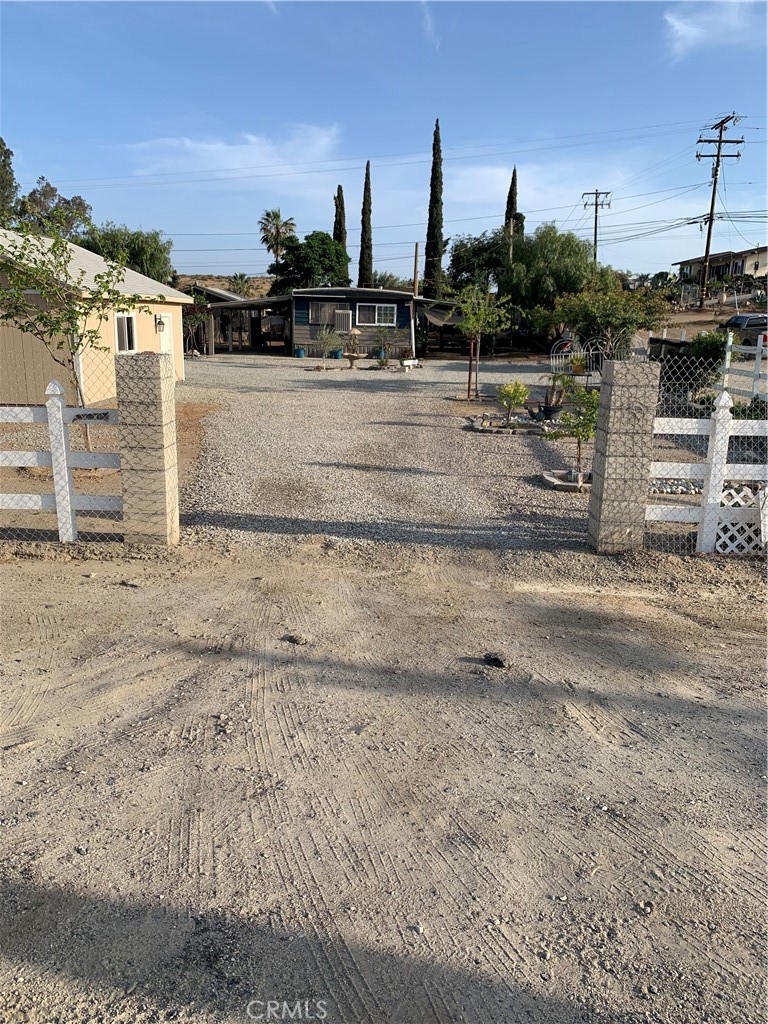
<point>234,776</point>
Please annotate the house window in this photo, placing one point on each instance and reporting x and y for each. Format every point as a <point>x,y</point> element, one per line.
<point>125,329</point>
<point>322,312</point>
<point>370,315</point>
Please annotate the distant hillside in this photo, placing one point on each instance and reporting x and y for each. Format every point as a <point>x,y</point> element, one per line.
<point>259,285</point>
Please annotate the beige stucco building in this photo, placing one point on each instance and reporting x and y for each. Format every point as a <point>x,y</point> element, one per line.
<point>27,366</point>
<point>753,262</point>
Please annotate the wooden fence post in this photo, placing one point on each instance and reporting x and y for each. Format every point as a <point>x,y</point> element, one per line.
<point>717,457</point>
<point>63,488</point>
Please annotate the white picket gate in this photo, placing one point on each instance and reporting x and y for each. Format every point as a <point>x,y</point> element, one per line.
<point>732,517</point>
<point>61,460</point>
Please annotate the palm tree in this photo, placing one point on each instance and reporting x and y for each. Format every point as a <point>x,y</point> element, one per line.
<point>240,284</point>
<point>275,231</point>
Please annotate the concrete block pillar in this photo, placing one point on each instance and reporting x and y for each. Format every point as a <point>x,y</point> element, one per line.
<point>623,455</point>
<point>147,430</point>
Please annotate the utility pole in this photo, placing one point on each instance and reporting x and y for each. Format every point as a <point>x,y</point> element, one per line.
<point>717,156</point>
<point>597,202</point>
<point>413,300</point>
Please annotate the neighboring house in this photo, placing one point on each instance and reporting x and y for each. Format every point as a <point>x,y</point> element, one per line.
<point>753,262</point>
<point>26,366</point>
<point>370,311</point>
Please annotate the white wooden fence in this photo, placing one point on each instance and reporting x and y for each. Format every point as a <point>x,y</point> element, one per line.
<point>731,519</point>
<point>733,376</point>
<point>61,460</point>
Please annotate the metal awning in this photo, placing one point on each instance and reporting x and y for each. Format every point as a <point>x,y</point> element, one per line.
<point>444,319</point>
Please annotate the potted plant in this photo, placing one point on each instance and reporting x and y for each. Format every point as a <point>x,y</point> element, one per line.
<point>512,396</point>
<point>558,386</point>
<point>328,341</point>
<point>578,365</point>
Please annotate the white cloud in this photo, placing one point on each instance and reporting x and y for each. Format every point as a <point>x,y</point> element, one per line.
<point>698,26</point>
<point>247,157</point>
<point>430,32</point>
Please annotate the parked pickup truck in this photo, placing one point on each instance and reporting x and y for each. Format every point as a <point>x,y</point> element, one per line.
<point>746,327</point>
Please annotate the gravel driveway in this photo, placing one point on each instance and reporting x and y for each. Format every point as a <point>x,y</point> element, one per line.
<point>275,763</point>
<point>371,455</point>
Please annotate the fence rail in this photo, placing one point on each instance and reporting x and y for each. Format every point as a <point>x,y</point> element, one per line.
<point>732,514</point>
<point>64,501</point>
<point>755,374</point>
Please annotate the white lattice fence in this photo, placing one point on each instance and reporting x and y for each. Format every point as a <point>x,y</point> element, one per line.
<point>732,514</point>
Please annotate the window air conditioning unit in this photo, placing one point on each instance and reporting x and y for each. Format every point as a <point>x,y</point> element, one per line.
<point>342,321</point>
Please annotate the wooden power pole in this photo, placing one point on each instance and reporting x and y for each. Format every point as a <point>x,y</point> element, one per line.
<point>413,300</point>
<point>597,202</point>
<point>718,156</point>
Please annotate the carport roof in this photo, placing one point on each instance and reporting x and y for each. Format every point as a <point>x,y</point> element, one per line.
<point>263,303</point>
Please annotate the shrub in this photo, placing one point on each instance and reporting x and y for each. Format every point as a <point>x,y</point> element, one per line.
<point>581,423</point>
<point>512,396</point>
<point>709,346</point>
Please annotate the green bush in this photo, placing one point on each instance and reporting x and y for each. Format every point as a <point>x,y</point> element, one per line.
<point>709,346</point>
<point>512,396</point>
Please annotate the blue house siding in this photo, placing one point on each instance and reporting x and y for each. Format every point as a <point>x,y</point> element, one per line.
<point>305,333</point>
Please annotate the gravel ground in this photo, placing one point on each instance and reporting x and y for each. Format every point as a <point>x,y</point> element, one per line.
<point>371,455</point>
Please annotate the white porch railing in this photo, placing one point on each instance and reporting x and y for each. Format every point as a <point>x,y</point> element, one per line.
<point>61,460</point>
<point>731,519</point>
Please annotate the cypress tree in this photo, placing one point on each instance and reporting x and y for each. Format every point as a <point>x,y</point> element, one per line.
<point>511,214</point>
<point>340,218</point>
<point>365,272</point>
<point>433,253</point>
<point>511,210</point>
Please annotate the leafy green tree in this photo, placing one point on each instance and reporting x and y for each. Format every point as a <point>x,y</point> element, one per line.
<point>340,218</point>
<point>42,294</point>
<point>241,284</point>
<point>433,252</point>
<point>549,264</point>
<point>479,260</point>
<point>45,211</point>
<point>385,279</point>
<point>275,232</point>
<point>9,188</point>
<point>579,422</point>
<point>316,262</point>
<point>365,269</point>
<point>612,316</point>
<point>480,313</point>
<point>146,252</point>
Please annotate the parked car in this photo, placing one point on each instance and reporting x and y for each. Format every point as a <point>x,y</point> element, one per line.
<point>746,327</point>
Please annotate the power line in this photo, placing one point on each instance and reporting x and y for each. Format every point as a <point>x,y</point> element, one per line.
<point>585,139</point>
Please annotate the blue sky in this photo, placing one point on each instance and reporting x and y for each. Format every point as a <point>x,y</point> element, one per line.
<point>193,118</point>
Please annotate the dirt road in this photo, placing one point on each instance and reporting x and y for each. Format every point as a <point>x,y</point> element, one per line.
<point>286,773</point>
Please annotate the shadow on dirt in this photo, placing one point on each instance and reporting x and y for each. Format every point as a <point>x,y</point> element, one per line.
<point>185,963</point>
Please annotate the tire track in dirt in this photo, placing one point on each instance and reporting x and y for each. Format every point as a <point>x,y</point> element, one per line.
<point>274,744</point>
<point>18,725</point>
